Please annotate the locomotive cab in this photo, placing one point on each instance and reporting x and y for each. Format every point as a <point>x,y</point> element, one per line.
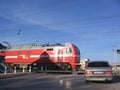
<point>73,55</point>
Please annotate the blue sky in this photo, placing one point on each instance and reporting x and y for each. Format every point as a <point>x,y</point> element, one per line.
<point>93,25</point>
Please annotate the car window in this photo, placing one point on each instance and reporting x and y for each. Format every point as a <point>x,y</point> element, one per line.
<point>98,64</point>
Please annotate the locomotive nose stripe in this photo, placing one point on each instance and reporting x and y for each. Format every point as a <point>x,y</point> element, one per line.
<point>11,57</point>
<point>37,56</point>
<point>34,56</point>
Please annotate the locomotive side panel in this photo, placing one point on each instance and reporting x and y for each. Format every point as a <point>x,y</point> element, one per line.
<point>28,56</point>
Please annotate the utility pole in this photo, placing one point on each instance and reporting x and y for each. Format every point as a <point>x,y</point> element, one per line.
<point>114,51</point>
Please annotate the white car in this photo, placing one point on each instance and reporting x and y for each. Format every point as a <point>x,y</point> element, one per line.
<point>98,71</point>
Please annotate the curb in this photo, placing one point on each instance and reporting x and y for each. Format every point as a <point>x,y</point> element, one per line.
<point>11,75</point>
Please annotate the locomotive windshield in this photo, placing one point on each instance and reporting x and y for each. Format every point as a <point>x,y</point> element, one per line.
<point>69,50</point>
<point>77,50</point>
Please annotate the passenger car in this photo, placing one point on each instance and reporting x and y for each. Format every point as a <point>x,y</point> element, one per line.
<point>2,68</point>
<point>98,71</point>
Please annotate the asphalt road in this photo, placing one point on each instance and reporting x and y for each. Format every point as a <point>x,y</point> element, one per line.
<point>55,82</point>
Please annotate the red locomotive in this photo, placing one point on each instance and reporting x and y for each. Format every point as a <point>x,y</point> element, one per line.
<point>49,57</point>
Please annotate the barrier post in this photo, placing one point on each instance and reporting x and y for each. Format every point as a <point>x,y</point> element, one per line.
<point>5,70</point>
<point>42,68</point>
<point>45,68</point>
<point>23,69</point>
<point>15,69</point>
<point>29,68</point>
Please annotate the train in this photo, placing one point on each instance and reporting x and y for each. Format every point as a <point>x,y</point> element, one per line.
<point>41,57</point>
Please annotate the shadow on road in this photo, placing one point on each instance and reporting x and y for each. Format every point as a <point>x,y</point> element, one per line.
<point>116,79</point>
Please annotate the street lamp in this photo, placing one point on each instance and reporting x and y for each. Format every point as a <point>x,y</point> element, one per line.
<point>114,51</point>
<point>118,51</point>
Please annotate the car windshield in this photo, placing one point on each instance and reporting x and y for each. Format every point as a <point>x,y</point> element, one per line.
<point>98,64</point>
